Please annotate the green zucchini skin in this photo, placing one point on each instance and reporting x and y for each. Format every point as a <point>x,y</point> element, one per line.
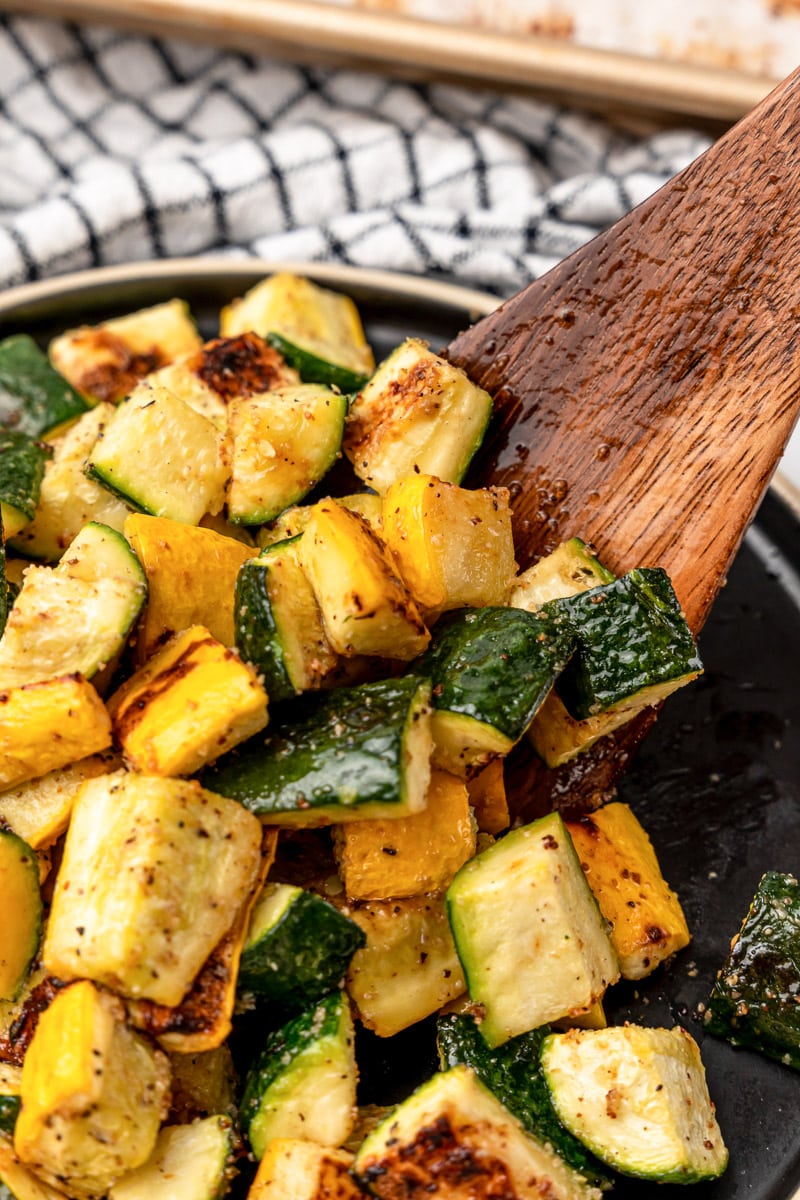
<point>258,638</point>
<point>313,369</point>
<point>34,398</point>
<point>631,636</point>
<point>753,1002</point>
<point>513,1073</point>
<point>303,955</point>
<point>9,1107</point>
<point>332,755</point>
<point>22,462</point>
<point>495,664</point>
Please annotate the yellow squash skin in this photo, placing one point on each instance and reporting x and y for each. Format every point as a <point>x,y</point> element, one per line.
<point>617,856</point>
<point>93,1093</point>
<point>47,725</point>
<point>153,875</point>
<point>292,1169</point>
<point>487,795</point>
<point>188,704</point>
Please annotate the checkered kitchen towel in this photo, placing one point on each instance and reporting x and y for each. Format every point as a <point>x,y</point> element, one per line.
<point>115,147</point>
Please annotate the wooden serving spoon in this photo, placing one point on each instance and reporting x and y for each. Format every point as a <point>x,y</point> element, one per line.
<point>647,386</point>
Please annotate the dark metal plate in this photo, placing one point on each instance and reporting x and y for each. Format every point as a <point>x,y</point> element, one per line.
<point>716,784</point>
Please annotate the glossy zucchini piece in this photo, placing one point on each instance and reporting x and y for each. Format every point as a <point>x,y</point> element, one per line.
<point>76,616</point>
<point>279,627</point>
<point>417,414</point>
<point>633,642</point>
<point>646,921</point>
<point>754,1002</point>
<point>294,1169</point>
<point>317,328</point>
<point>107,361</point>
<point>83,1120</point>
<point>513,1074</point>
<point>638,1099</point>
<point>123,928</point>
<point>30,715</point>
<point>490,669</point>
<point>191,701</point>
<point>161,457</point>
<point>34,398</point>
<point>189,1162</point>
<point>298,947</point>
<point>283,443</point>
<point>453,545</point>
<point>68,498</point>
<point>409,856</point>
<point>22,466</point>
<point>22,926</point>
<point>571,568</point>
<point>352,753</point>
<point>453,1138</point>
<point>530,936</point>
<point>303,1083</point>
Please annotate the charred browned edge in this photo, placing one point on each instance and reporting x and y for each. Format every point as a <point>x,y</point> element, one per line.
<point>14,1043</point>
<point>241,366</point>
<point>203,1004</point>
<point>439,1163</point>
<point>132,711</point>
<point>417,388</point>
<point>114,378</point>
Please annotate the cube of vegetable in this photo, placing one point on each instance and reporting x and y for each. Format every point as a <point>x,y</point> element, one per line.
<point>38,810</point>
<point>409,967</point>
<point>22,467</point>
<point>162,457</point>
<point>409,856</point>
<point>191,573</point>
<point>418,413</point>
<point>106,361</point>
<point>34,399</point>
<point>557,737</point>
<point>366,607</point>
<point>283,443</point>
<point>487,796</point>
<point>294,1169</point>
<point>69,499</point>
<point>530,936</point>
<point>645,915</point>
<point>567,570</point>
<point>153,874</point>
<point>197,1158</point>
<point>453,545</point>
<point>93,1093</point>
<point>49,725</point>
<point>222,371</point>
<point>192,701</point>
<point>21,929</point>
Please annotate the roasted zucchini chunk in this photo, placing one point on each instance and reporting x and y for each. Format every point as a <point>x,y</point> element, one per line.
<point>417,414</point>
<point>513,1073</point>
<point>74,617</point>
<point>453,545</point>
<point>282,443</point>
<point>225,370</point>
<point>638,1099</point>
<point>317,331</point>
<point>645,917</point>
<point>192,701</point>
<point>161,457</point>
<point>409,856</point>
<point>294,1169</point>
<point>191,859</point>
<point>490,670</point>
<point>30,714</point>
<point>22,467</point>
<point>366,607</point>
<point>189,1162</point>
<point>106,361</point>
<point>19,886</point>
<point>69,499</point>
<point>571,568</point>
<point>409,966</point>
<point>191,573</point>
<point>34,399</point>
<point>340,756</point>
<point>530,936</point>
<point>93,1093</point>
<point>453,1138</point>
<point>303,1083</point>
<point>754,999</point>
<point>298,948</point>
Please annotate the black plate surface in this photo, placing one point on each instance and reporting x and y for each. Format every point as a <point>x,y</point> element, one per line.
<point>716,784</point>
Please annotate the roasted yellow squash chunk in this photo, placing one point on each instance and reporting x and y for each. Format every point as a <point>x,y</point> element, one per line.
<point>47,725</point>
<point>292,1169</point>
<point>38,810</point>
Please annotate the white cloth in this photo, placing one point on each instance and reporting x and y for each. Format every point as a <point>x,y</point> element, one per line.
<point>115,147</point>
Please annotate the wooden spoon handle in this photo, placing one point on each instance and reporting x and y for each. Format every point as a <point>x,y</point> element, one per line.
<point>647,386</point>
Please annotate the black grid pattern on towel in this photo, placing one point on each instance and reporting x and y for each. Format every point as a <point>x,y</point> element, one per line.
<point>115,147</point>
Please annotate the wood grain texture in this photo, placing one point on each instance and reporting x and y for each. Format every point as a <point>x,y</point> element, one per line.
<point>647,386</point>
